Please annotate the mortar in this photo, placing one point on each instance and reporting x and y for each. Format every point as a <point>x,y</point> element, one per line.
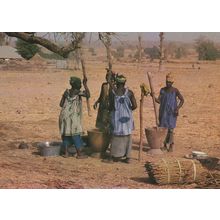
<point>96,140</point>
<point>155,138</point>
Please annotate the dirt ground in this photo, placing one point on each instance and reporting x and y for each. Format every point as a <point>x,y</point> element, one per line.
<point>30,109</point>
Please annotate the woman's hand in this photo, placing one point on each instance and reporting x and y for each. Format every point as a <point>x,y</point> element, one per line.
<point>176,112</point>
<point>85,80</point>
<point>95,105</point>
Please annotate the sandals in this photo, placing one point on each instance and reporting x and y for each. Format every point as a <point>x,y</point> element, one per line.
<point>111,160</point>
<point>171,148</point>
<point>81,156</point>
<point>126,160</point>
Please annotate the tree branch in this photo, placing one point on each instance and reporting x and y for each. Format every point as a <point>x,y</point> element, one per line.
<point>61,50</point>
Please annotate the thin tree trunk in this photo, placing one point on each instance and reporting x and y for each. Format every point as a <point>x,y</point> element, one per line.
<point>161,35</point>
<point>139,51</point>
<point>106,40</point>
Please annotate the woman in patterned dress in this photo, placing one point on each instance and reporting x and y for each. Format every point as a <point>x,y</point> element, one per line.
<point>70,124</point>
<point>122,103</point>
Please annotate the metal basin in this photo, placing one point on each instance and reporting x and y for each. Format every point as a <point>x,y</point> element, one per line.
<point>49,149</point>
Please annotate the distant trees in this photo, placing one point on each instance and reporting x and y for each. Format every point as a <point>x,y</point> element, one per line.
<point>180,52</point>
<point>2,38</point>
<point>119,53</point>
<point>92,51</point>
<point>206,49</point>
<point>152,52</point>
<point>26,50</point>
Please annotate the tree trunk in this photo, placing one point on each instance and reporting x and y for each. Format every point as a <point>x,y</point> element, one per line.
<point>139,51</point>
<point>106,40</point>
<point>161,35</point>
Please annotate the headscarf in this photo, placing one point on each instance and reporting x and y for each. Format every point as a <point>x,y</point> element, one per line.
<point>170,77</point>
<point>75,81</point>
<point>120,79</point>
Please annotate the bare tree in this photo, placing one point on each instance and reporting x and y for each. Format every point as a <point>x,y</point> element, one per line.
<point>161,35</point>
<point>105,37</point>
<point>55,47</point>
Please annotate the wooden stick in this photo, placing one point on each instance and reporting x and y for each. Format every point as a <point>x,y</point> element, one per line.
<point>141,126</point>
<point>84,75</point>
<point>153,97</point>
<point>109,57</point>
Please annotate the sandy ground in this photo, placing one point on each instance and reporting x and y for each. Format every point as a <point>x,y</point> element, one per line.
<point>30,109</point>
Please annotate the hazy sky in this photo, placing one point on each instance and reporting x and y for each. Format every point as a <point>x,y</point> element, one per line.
<point>171,36</point>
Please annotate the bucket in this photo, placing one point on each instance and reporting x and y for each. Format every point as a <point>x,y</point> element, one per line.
<point>155,137</point>
<point>97,140</point>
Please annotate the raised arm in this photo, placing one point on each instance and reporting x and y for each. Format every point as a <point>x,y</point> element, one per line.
<point>86,93</point>
<point>109,80</point>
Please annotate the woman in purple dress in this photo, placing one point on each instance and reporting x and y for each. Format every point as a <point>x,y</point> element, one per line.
<point>170,100</point>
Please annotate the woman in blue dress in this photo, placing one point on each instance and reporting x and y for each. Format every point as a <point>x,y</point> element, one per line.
<point>170,100</point>
<point>121,105</point>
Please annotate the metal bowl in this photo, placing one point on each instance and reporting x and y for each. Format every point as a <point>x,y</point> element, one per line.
<point>199,154</point>
<point>48,149</point>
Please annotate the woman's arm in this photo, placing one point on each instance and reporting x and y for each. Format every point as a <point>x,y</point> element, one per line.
<point>133,101</point>
<point>86,93</point>
<point>180,97</point>
<point>157,100</point>
<point>65,94</point>
<point>100,97</point>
